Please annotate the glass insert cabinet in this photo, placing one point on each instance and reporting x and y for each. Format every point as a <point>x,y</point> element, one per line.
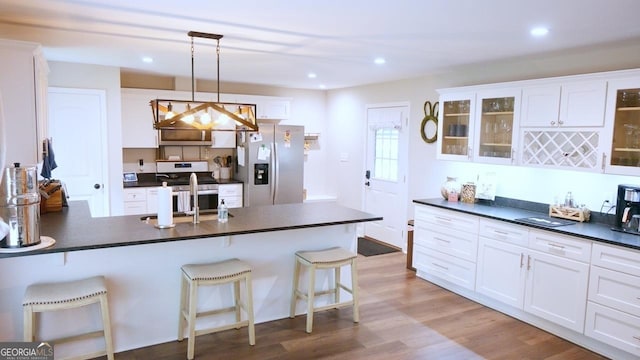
<point>623,105</point>
<point>496,126</point>
<point>456,126</point>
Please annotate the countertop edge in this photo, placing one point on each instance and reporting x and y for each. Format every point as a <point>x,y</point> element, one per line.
<point>589,231</point>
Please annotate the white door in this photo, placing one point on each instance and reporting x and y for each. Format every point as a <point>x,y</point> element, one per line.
<point>385,173</point>
<point>77,122</point>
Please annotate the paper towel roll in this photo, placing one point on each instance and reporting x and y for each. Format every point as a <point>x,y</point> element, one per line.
<point>165,206</point>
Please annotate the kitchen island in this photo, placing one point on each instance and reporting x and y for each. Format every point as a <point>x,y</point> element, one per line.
<point>142,265</point>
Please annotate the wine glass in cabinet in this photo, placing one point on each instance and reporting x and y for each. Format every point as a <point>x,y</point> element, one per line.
<point>623,105</point>
<point>496,126</point>
<point>456,126</point>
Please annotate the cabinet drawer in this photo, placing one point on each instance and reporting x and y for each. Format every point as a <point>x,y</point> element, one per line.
<point>615,258</point>
<point>615,289</point>
<point>613,327</point>
<point>450,219</point>
<point>230,190</point>
<point>500,230</point>
<point>135,194</point>
<point>453,242</point>
<point>447,267</point>
<point>560,245</point>
<point>135,207</point>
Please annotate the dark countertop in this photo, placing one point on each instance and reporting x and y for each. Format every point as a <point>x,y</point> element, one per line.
<point>74,229</point>
<point>150,180</point>
<point>587,230</point>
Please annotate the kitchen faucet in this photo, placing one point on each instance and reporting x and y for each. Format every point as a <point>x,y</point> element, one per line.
<point>193,189</point>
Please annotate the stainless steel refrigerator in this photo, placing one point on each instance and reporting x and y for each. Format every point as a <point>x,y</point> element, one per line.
<point>270,163</point>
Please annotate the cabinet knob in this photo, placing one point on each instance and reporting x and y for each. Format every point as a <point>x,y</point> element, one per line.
<point>553,123</point>
<point>96,186</point>
<point>560,122</point>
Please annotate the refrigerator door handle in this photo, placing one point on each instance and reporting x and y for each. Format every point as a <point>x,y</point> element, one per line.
<point>276,171</point>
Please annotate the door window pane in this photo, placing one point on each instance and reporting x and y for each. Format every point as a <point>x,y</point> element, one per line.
<point>386,154</point>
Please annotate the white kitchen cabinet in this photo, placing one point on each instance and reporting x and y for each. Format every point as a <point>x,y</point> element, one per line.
<point>613,310</point>
<point>135,201</point>
<point>548,284</point>
<point>456,126</point>
<point>443,252</point>
<point>622,132</point>
<point>573,149</point>
<point>137,119</point>
<point>152,200</point>
<point>496,125</point>
<point>23,85</point>
<point>232,195</point>
<point>564,104</point>
<point>272,109</point>
<point>556,289</point>
<point>501,261</point>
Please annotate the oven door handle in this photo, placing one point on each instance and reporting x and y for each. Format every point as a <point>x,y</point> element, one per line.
<point>207,192</point>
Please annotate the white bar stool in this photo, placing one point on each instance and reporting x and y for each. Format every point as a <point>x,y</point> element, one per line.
<point>196,275</point>
<point>333,258</point>
<point>68,295</point>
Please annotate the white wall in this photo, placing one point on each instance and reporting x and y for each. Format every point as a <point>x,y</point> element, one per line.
<point>106,78</point>
<point>346,118</point>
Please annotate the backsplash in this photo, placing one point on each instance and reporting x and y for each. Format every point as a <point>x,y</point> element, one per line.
<point>131,156</point>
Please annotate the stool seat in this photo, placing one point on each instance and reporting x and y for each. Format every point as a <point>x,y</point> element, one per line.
<point>218,273</point>
<point>327,256</point>
<point>68,295</point>
<point>66,292</point>
<point>332,258</point>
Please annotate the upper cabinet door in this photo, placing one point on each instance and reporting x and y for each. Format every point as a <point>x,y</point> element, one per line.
<point>623,127</point>
<point>455,124</point>
<point>496,125</point>
<point>137,119</point>
<point>570,104</point>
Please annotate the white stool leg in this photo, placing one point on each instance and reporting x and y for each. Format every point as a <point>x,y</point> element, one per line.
<point>337,283</point>
<point>106,324</point>
<point>29,323</point>
<point>249,309</point>
<point>236,295</point>
<point>191,322</point>
<point>354,291</point>
<point>310,297</point>
<point>294,293</point>
<point>183,303</point>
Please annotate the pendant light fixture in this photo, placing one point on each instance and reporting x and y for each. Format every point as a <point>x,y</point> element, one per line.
<point>202,115</point>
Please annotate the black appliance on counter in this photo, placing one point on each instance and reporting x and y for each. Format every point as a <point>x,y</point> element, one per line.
<point>628,209</point>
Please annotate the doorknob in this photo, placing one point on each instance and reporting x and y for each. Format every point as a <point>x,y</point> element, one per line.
<point>96,186</point>
<point>367,174</point>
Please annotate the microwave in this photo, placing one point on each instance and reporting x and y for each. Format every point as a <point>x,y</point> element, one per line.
<point>184,137</point>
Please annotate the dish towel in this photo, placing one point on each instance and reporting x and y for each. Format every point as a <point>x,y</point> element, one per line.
<point>184,201</point>
<point>48,159</point>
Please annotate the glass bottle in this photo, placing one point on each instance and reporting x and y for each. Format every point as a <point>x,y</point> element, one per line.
<point>223,212</point>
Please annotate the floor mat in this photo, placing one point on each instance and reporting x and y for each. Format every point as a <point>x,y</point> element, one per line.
<point>367,247</point>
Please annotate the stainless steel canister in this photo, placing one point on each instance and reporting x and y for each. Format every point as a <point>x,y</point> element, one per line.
<point>20,205</point>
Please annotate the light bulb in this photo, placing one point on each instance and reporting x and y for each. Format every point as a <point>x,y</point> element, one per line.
<point>169,113</point>
<point>188,119</point>
<point>205,119</point>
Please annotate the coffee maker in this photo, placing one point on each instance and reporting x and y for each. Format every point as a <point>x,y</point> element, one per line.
<point>628,209</point>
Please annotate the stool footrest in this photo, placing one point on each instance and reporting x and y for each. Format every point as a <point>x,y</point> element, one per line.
<point>222,328</point>
<point>333,306</point>
<point>91,335</point>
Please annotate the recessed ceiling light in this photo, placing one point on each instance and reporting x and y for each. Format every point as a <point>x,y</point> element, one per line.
<point>312,75</point>
<point>539,31</point>
<point>322,86</point>
<point>379,61</point>
<point>147,59</point>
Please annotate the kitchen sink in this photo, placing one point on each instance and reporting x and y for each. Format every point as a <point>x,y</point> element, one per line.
<point>180,217</point>
<point>545,221</point>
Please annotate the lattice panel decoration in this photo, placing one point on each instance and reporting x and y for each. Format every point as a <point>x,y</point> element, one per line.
<point>576,149</point>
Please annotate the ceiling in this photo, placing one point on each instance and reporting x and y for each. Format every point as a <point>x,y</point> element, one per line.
<point>279,42</point>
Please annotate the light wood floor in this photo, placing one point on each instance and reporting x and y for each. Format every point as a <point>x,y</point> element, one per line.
<point>401,317</point>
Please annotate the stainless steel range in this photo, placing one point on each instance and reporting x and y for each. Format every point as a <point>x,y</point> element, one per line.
<point>177,174</point>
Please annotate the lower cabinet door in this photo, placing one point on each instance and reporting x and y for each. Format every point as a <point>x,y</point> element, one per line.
<point>556,289</point>
<point>613,327</point>
<point>501,271</point>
